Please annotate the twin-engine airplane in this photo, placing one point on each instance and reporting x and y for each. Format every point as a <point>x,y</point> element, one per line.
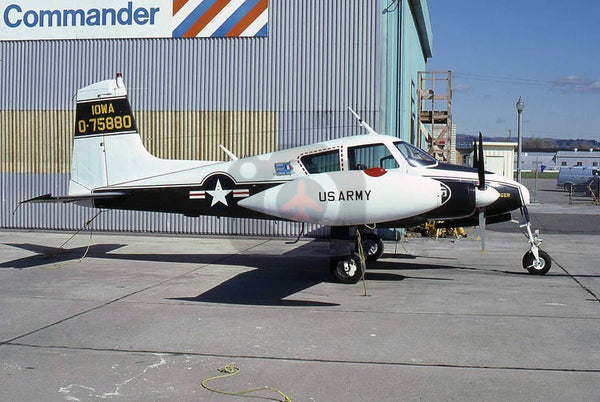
<point>357,181</point>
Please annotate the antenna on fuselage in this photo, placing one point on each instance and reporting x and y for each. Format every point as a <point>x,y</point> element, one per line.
<point>362,123</point>
<point>228,152</point>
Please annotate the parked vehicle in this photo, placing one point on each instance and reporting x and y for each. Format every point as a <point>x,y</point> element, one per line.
<point>577,177</point>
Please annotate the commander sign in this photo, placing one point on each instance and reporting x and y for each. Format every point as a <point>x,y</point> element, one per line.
<point>90,19</point>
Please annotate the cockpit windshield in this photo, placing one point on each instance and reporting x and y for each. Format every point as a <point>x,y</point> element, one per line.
<point>414,156</point>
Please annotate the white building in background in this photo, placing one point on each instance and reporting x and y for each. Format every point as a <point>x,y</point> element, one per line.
<point>586,158</point>
<point>545,161</point>
<point>553,161</point>
<point>499,158</point>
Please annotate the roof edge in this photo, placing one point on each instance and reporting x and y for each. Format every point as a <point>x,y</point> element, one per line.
<point>420,9</point>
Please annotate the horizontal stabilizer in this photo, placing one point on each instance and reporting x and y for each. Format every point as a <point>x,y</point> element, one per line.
<point>48,198</point>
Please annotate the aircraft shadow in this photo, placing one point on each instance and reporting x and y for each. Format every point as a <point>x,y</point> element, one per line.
<point>49,255</point>
<point>272,281</point>
<point>267,286</point>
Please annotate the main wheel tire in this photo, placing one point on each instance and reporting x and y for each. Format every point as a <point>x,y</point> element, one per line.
<point>568,187</point>
<point>348,269</point>
<point>534,267</point>
<point>372,246</point>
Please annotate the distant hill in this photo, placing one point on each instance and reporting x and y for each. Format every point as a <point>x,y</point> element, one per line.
<point>465,141</point>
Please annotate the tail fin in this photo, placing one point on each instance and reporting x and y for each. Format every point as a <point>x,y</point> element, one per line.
<point>103,112</point>
<point>107,149</point>
<point>108,152</point>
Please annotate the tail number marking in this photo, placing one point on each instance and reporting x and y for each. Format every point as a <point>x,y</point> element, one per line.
<point>104,124</point>
<point>104,117</point>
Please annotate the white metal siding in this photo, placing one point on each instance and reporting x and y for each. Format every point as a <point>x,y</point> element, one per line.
<point>319,58</point>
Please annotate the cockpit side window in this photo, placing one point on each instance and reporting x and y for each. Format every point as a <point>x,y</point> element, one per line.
<point>321,162</point>
<point>414,156</point>
<point>369,156</point>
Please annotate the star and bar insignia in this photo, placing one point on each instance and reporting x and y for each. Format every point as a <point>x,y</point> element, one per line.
<point>218,194</point>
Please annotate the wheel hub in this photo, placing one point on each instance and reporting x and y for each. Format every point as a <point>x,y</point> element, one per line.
<point>347,268</point>
<point>539,264</point>
<point>370,247</point>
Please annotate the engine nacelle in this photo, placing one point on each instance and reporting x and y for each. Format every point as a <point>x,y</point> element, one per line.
<point>350,198</point>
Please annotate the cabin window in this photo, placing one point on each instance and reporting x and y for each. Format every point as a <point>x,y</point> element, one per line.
<point>563,164</point>
<point>594,164</point>
<point>322,162</point>
<point>579,164</point>
<point>369,156</point>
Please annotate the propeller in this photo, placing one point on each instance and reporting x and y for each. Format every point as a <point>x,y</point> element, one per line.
<point>484,195</point>
<point>481,177</point>
<point>475,154</point>
<point>480,163</point>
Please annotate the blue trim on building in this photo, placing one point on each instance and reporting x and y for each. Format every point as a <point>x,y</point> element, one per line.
<point>406,39</point>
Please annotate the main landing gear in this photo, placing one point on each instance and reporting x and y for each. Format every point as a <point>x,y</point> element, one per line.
<point>536,261</point>
<point>347,269</point>
<point>347,265</point>
<point>372,245</point>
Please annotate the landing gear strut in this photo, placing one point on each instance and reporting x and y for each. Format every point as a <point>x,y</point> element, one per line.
<point>536,261</point>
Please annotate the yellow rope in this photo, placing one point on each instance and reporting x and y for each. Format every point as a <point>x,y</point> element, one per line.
<point>230,370</point>
<point>363,260</point>
<point>402,241</point>
<point>595,198</point>
<point>87,249</point>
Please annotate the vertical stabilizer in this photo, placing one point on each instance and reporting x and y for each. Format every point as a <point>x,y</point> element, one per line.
<point>107,148</point>
<point>103,112</point>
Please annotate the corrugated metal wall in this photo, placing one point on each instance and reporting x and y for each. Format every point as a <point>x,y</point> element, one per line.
<point>254,95</point>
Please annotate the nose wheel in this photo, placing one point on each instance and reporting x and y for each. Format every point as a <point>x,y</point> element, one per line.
<point>535,261</point>
<point>539,266</point>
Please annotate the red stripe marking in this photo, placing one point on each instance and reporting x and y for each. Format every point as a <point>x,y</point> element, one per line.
<point>248,18</point>
<point>177,4</point>
<point>206,18</point>
<point>197,194</point>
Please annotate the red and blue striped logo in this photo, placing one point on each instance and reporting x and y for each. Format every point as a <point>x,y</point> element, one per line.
<point>219,18</point>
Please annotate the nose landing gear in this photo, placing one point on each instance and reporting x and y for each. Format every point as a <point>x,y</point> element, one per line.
<point>539,266</point>
<point>535,261</point>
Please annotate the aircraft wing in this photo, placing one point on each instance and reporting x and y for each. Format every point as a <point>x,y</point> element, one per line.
<point>49,198</point>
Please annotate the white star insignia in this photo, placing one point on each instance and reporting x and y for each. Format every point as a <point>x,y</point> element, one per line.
<point>218,194</point>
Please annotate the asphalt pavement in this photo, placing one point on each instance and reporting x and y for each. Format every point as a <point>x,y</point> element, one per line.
<point>555,211</point>
<point>147,317</point>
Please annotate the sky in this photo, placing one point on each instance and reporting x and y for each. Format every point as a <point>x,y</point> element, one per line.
<point>545,51</point>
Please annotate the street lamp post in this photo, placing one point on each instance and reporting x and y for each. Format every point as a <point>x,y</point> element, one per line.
<point>520,107</point>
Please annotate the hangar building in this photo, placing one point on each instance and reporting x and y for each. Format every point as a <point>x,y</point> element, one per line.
<point>253,75</point>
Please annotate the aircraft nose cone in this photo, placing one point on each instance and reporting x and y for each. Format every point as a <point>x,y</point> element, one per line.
<point>486,196</point>
<point>526,198</point>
